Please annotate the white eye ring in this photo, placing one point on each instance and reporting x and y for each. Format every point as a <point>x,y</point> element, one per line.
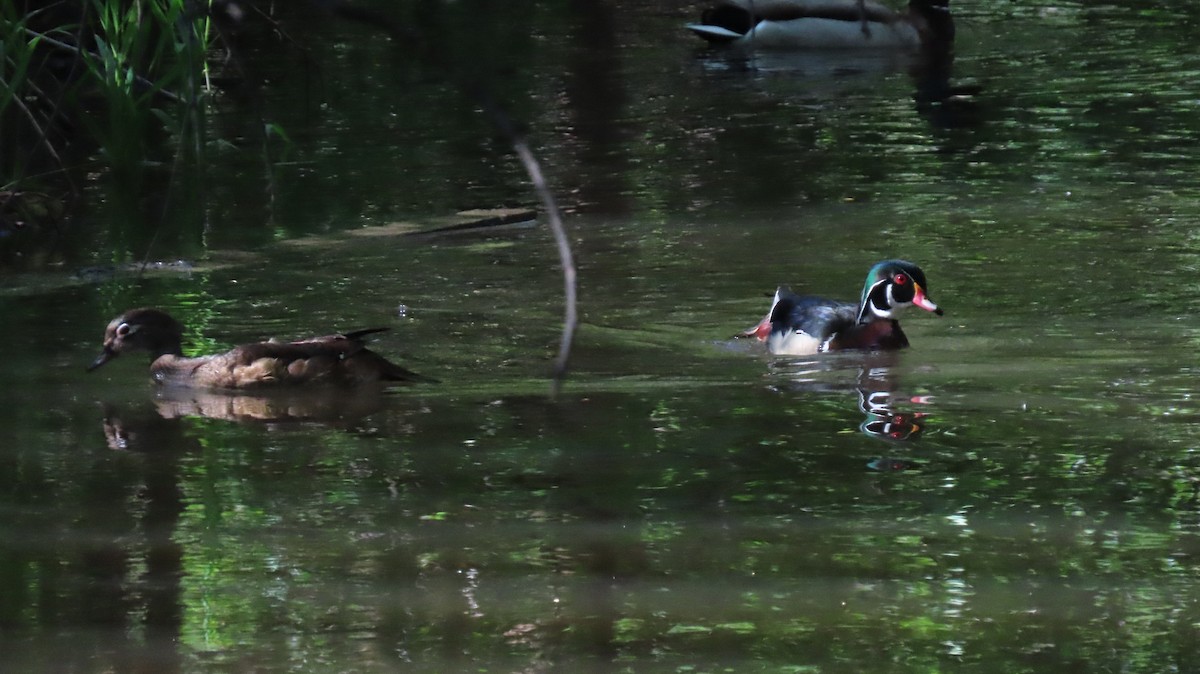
<point>125,329</point>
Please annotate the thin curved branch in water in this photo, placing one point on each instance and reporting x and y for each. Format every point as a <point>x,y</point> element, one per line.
<point>503,123</point>
<point>566,258</point>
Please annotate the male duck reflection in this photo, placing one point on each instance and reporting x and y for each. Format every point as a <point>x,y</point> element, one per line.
<point>826,24</point>
<point>802,325</point>
<point>341,360</point>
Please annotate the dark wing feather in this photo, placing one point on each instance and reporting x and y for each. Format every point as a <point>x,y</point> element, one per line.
<point>816,316</point>
<point>357,335</point>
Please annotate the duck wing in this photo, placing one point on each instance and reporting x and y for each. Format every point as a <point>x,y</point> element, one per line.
<point>334,359</point>
<point>841,10</point>
<point>818,317</point>
<point>731,20</point>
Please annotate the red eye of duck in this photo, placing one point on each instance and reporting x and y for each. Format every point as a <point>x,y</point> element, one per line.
<point>900,279</point>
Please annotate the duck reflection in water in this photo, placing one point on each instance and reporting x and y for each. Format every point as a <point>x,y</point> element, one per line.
<point>141,429</point>
<point>876,400</point>
<point>157,425</point>
<point>886,415</point>
<point>279,406</point>
<point>829,54</point>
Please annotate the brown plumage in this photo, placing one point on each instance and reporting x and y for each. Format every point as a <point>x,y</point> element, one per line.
<point>339,360</point>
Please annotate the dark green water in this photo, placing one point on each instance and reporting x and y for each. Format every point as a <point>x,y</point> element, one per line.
<point>1018,492</point>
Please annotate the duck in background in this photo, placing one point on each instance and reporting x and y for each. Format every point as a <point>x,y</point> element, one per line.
<point>827,24</point>
<point>801,325</point>
<point>338,360</point>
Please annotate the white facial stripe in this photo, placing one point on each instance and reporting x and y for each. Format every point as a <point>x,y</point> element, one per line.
<point>892,299</point>
<point>892,304</point>
<point>883,312</point>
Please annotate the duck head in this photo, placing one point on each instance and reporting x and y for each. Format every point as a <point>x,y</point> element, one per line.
<point>140,329</point>
<point>893,285</point>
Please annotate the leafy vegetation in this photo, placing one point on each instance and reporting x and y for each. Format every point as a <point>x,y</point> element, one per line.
<point>119,72</point>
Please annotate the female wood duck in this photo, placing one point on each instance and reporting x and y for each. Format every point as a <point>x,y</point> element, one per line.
<point>341,360</point>
<point>801,325</point>
<point>827,24</point>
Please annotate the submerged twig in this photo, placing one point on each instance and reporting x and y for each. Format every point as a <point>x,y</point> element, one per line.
<point>566,258</point>
<point>532,167</point>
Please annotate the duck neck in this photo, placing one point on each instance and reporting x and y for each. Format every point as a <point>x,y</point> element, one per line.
<point>173,368</point>
<point>167,346</point>
<point>875,305</point>
<point>866,317</point>
<point>166,355</point>
<point>936,23</point>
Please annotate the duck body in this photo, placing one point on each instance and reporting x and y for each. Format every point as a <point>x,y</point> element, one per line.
<point>336,360</point>
<point>826,24</point>
<point>801,325</point>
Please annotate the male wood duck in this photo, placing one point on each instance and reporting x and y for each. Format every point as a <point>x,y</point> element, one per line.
<point>827,24</point>
<point>802,325</point>
<point>341,360</point>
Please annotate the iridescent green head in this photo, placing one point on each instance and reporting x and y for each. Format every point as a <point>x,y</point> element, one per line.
<point>893,285</point>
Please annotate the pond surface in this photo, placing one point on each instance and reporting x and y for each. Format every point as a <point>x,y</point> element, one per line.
<point>1017,492</point>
